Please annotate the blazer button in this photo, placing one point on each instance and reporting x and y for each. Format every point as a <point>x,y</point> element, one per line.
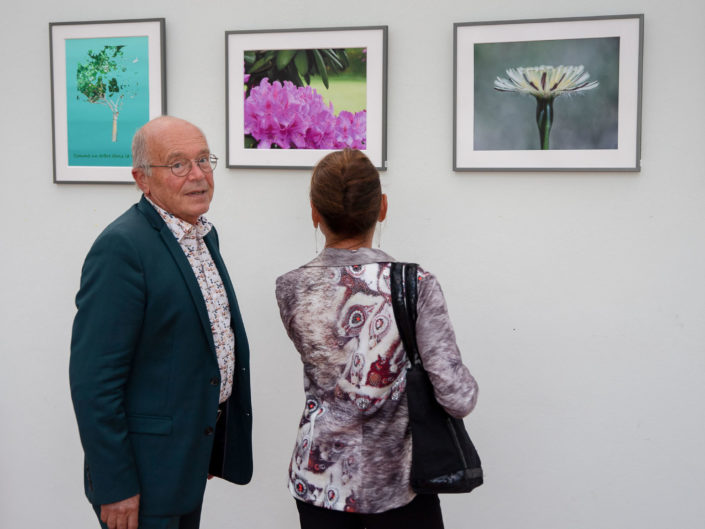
<point>209,430</point>
<point>215,381</point>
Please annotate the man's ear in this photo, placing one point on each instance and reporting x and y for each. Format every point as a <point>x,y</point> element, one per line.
<point>141,179</point>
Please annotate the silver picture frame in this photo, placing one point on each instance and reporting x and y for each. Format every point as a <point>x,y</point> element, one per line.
<point>561,94</point>
<point>99,68</point>
<point>247,152</point>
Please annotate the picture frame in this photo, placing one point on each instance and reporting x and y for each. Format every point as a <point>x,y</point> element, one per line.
<point>276,94</point>
<point>558,94</point>
<point>108,78</point>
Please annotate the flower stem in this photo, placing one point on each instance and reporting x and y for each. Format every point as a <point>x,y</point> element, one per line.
<point>544,120</point>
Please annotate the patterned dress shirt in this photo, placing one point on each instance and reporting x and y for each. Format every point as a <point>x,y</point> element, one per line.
<point>190,238</point>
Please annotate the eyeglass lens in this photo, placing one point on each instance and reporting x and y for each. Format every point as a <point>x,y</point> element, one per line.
<point>183,167</point>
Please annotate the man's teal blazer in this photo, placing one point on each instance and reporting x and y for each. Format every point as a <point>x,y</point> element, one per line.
<point>144,375</point>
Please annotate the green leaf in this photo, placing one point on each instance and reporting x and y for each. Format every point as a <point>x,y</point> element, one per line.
<point>263,62</point>
<point>333,59</point>
<point>113,87</point>
<point>312,66</point>
<point>343,56</point>
<point>293,74</point>
<point>250,57</point>
<point>321,67</point>
<point>284,58</point>
<point>301,62</point>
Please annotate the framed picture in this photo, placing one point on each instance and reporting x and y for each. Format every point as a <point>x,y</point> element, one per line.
<point>548,95</point>
<point>107,80</point>
<point>294,95</point>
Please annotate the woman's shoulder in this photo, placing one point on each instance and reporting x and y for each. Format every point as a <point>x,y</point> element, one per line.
<point>422,273</point>
<point>296,280</point>
<point>428,286</point>
<point>289,275</point>
<point>284,281</point>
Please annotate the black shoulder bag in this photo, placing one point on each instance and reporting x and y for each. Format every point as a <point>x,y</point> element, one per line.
<point>443,458</point>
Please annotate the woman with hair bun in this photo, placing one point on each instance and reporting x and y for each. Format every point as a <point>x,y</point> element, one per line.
<point>351,462</point>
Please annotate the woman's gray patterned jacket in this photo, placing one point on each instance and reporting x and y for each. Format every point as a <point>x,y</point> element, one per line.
<point>353,449</point>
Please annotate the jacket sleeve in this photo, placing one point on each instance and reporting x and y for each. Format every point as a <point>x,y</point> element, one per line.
<point>454,386</point>
<point>285,294</point>
<point>106,329</point>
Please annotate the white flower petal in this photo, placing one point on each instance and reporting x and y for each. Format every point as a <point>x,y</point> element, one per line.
<point>546,82</point>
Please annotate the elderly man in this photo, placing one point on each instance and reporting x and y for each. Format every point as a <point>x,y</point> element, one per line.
<point>159,357</point>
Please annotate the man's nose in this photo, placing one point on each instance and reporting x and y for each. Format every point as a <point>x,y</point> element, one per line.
<point>196,173</point>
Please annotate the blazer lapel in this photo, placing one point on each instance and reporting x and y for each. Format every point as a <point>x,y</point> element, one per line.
<point>182,263</point>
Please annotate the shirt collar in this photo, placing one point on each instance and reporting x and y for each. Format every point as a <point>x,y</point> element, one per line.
<point>341,257</point>
<point>180,228</point>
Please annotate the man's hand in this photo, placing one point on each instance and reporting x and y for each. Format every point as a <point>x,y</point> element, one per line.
<point>121,514</point>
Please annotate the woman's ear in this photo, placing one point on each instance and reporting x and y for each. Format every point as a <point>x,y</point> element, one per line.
<point>315,216</point>
<point>383,208</point>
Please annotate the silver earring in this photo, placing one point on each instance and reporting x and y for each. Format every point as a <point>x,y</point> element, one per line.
<point>379,235</point>
<point>315,237</point>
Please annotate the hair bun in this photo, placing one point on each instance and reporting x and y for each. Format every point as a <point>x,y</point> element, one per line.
<point>346,191</point>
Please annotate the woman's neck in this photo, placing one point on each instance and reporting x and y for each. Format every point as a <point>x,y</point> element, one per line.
<point>350,243</point>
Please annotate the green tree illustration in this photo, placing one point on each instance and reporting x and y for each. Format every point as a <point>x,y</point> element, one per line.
<point>101,80</point>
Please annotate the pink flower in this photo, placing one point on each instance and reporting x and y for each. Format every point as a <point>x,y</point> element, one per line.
<point>351,130</point>
<point>289,116</point>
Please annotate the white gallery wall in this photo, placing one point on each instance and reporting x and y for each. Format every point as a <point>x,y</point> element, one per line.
<point>578,298</point>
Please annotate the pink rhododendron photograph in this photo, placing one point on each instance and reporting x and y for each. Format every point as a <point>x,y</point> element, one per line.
<point>305,99</point>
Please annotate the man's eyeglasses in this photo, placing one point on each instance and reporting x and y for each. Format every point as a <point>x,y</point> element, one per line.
<point>183,167</point>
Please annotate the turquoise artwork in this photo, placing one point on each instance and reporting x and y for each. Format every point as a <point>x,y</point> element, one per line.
<point>107,98</point>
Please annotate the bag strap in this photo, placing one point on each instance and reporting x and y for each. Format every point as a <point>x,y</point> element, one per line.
<point>404,284</point>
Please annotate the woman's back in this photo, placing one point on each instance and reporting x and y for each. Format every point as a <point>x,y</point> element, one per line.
<point>353,449</point>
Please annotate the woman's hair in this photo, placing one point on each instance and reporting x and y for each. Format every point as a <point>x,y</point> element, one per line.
<point>346,191</point>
